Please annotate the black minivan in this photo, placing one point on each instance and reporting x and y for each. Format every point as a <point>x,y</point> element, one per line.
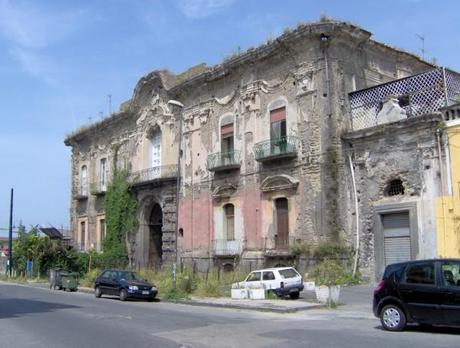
<point>426,292</point>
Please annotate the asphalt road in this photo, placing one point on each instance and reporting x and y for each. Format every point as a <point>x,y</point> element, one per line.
<point>35,317</point>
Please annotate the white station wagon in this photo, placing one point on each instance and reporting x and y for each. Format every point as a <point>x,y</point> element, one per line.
<point>281,280</point>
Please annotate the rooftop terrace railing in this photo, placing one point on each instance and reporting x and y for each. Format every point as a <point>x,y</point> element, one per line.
<point>418,95</point>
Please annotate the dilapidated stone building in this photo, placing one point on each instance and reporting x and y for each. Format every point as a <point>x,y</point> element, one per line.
<point>267,143</point>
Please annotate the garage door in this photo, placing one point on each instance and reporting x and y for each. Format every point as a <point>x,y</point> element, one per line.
<point>396,234</point>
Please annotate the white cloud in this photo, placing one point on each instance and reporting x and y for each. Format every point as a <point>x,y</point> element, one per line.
<point>31,30</point>
<point>26,25</point>
<point>36,64</point>
<point>203,8</point>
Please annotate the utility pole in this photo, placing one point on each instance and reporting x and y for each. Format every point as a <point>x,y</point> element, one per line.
<point>178,107</point>
<point>10,240</point>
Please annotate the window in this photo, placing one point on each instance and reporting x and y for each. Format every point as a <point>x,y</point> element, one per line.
<point>253,277</point>
<point>394,188</point>
<point>226,140</point>
<point>269,276</point>
<point>103,174</point>
<point>278,123</point>
<point>82,235</point>
<point>155,149</point>
<point>451,273</point>
<point>229,221</point>
<point>421,274</point>
<point>83,180</point>
<point>288,273</point>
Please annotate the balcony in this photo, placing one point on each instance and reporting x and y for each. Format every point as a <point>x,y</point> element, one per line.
<point>153,174</point>
<point>268,150</point>
<point>416,95</point>
<point>275,246</point>
<point>224,161</point>
<point>81,192</point>
<point>223,247</point>
<point>98,188</point>
<point>451,113</point>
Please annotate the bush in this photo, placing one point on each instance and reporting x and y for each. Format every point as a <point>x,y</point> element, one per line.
<point>328,272</point>
<point>332,251</point>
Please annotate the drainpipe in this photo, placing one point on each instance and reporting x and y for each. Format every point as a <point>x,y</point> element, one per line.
<point>448,169</point>
<point>355,263</point>
<point>441,166</point>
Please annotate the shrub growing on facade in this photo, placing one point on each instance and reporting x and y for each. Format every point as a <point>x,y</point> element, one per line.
<point>120,215</point>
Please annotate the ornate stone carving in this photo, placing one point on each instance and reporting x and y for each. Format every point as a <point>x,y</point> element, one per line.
<point>278,183</point>
<point>224,191</point>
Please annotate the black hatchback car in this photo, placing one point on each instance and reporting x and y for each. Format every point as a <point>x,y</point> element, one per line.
<point>125,284</point>
<point>426,292</point>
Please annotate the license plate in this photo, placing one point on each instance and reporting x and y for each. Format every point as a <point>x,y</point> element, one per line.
<point>145,292</point>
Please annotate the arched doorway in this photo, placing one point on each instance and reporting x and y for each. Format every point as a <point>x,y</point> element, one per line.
<point>155,236</point>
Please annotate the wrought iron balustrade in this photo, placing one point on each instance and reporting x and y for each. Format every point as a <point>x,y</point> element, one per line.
<point>224,160</point>
<point>276,148</point>
<point>153,173</point>
<point>418,95</point>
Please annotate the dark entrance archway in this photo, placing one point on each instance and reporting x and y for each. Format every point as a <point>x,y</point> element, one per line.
<point>155,236</point>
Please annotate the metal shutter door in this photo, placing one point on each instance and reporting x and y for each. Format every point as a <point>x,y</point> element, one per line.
<point>397,249</point>
<point>396,231</point>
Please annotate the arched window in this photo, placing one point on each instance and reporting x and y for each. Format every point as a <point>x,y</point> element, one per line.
<point>84,180</point>
<point>155,148</point>
<point>229,222</point>
<point>282,223</point>
<point>395,187</point>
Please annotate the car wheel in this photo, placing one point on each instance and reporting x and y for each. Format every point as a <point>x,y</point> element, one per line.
<point>97,292</point>
<point>294,295</point>
<point>123,295</point>
<point>392,318</point>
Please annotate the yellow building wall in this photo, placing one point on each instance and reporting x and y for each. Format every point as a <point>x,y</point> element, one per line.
<point>448,207</point>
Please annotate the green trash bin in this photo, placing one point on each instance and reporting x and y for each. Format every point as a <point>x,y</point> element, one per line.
<point>69,281</point>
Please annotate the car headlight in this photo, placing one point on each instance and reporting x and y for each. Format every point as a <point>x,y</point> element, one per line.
<point>133,287</point>
<point>153,288</point>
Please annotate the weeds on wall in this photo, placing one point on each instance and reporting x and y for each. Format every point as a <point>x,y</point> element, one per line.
<point>120,215</point>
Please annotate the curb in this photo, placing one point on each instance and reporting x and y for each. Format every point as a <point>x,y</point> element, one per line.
<point>241,306</point>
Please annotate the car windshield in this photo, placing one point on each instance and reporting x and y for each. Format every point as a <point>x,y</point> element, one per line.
<point>129,276</point>
<point>288,273</point>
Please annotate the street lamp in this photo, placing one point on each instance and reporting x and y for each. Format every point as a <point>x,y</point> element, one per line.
<point>179,108</point>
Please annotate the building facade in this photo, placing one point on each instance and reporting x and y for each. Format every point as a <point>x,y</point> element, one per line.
<point>267,140</point>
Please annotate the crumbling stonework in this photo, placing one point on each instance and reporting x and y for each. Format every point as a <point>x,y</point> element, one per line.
<point>308,73</point>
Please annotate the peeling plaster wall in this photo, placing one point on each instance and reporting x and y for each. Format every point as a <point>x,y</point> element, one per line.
<point>312,79</point>
<point>405,150</point>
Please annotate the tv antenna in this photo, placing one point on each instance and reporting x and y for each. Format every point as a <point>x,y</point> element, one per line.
<point>422,39</point>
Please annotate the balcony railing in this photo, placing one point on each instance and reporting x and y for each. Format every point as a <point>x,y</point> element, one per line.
<point>223,247</point>
<point>224,161</point>
<point>279,246</point>
<point>98,188</point>
<point>82,192</point>
<point>284,147</point>
<point>153,174</point>
<point>451,113</point>
<point>418,95</point>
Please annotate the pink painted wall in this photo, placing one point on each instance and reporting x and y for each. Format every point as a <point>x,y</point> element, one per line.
<point>196,220</point>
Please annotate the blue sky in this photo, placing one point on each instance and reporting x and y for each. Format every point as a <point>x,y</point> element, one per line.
<point>60,59</point>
